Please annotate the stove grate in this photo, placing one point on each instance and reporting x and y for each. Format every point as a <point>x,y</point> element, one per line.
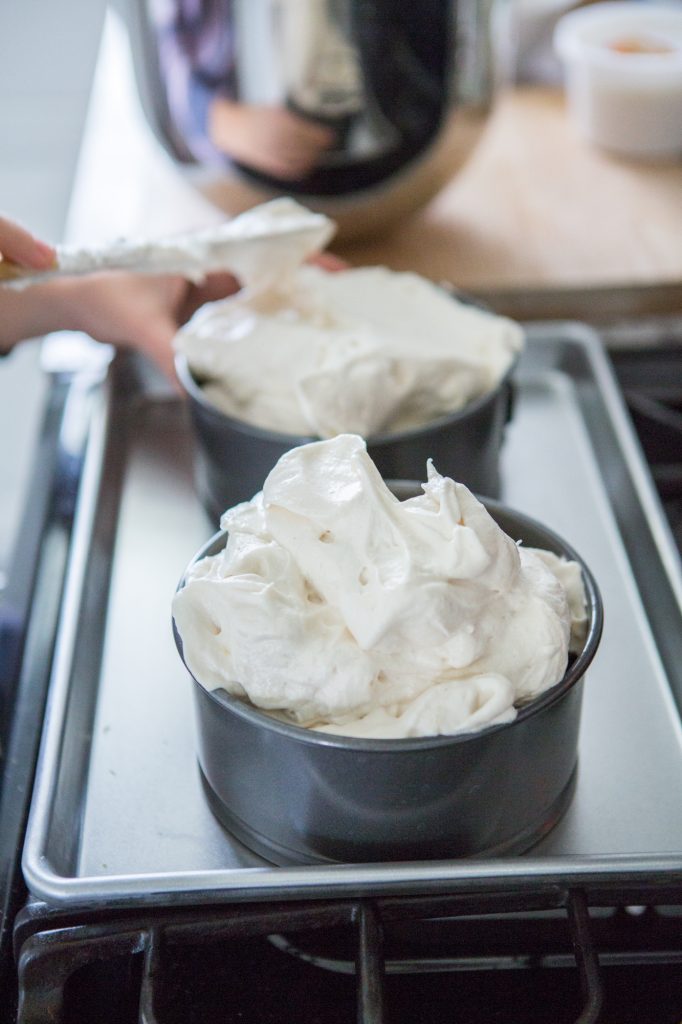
<point>651,382</point>
<point>397,959</point>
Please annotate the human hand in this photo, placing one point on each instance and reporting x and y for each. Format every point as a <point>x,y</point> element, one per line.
<point>138,311</point>
<point>269,139</point>
<point>328,261</point>
<point>145,312</point>
<point>130,310</point>
<point>20,246</point>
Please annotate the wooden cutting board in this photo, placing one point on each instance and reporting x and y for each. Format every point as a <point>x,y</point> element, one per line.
<point>538,210</point>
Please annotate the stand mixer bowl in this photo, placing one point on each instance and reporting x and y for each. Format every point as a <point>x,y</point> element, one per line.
<point>405,88</point>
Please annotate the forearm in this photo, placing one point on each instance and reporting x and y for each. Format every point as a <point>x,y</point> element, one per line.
<point>35,311</point>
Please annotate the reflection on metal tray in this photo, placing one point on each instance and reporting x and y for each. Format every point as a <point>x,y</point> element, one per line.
<point>118,811</point>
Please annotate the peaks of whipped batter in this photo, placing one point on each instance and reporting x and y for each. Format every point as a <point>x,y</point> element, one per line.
<point>364,350</point>
<point>355,613</point>
<point>258,246</point>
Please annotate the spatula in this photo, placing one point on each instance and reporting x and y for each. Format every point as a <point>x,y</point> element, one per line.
<point>261,242</point>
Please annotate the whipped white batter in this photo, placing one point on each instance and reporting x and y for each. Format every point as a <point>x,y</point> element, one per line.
<point>364,351</point>
<point>351,612</point>
<point>257,247</point>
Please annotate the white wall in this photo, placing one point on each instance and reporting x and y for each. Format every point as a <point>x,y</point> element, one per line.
<point>48,50</point>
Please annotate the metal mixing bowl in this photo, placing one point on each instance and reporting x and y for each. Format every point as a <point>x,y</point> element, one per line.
<point>405,89</point>
<point>298,796</point>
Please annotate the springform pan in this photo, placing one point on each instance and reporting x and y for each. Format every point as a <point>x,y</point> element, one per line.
<point>232,458</point>
<point>297,796</point>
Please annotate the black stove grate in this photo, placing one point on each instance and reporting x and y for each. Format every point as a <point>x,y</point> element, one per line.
<point>393,960</point>
<point>652,387</point>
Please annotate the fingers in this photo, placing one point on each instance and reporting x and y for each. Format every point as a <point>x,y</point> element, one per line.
<point>328,261</point>
<point>21,247</point>
<point>215,286</point>
<point>221,285</point>
<point>167,304</point>
<point>156,341</point>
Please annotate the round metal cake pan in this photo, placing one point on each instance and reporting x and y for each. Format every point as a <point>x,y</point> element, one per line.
<point>233,458</point>
<point>298,796</point>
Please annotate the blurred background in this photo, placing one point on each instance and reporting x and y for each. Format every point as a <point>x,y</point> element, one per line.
<point>48,56</point>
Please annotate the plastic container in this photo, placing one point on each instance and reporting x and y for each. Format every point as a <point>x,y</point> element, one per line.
<point>623,73</point>
<point>298,796</point>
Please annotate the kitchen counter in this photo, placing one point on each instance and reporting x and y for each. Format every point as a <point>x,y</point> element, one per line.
<point>537,216</point>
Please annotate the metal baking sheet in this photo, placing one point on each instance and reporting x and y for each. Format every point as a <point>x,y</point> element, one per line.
<point>118,811</point>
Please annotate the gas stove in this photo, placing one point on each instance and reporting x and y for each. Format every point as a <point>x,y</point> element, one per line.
<point>399,960</point>
<point>652,388</point>
<point>551,944</point>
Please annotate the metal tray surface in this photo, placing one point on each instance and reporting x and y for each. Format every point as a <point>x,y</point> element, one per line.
<point>118,812</point>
